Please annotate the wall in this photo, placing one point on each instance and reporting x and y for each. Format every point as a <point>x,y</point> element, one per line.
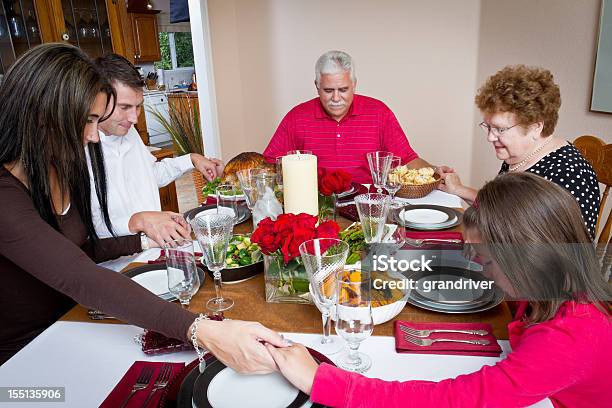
<point>560,35</point>
<point>424,59</point>
<point>417,57</point>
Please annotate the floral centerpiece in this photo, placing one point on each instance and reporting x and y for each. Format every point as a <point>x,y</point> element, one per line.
<point>331,183</point>
<point>280,240</point>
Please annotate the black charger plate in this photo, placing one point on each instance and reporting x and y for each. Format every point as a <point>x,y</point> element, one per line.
<point>189,398</point>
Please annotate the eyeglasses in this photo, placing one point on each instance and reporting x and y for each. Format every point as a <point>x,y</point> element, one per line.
<point>497,131</point>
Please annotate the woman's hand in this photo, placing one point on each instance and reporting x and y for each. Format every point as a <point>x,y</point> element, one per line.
<point>443,170</point>
<point>239,344</point>
<point>296,364</point>
<point>160,226</point>
<point>452,184</point>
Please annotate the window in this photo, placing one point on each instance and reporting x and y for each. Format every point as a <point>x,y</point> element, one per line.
<point>176,50</point>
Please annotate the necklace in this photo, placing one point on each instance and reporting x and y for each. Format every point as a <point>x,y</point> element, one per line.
<point>526,159</point>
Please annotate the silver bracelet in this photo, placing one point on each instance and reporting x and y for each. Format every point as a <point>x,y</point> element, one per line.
<point>194,340</point>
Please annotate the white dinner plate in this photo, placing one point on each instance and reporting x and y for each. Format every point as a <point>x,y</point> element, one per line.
<point>424,216</point>
<point>222,393</point>
<point>155,281</point>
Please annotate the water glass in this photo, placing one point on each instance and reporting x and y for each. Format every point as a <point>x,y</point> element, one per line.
<point>323,259</point>
<point>397,236</point>
<point>354,321</point>
<point>394,183</point>
<point>183,281</point>
<point>214,232</point>
<point>227,202</point>
<point>372,210</point>
<point>379,168</point>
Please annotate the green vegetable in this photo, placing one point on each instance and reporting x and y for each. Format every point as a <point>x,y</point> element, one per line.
<point>241,252</point>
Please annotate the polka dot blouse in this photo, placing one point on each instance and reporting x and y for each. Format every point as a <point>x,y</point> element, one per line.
<point>569,169</point>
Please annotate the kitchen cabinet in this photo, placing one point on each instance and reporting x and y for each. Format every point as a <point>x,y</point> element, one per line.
<point>19,30</point>
<point>167,194</point>
<point>146,37</point>
<point>96,26</point>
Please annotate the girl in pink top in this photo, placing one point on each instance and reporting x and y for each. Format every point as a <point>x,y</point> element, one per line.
<point>561,339</point>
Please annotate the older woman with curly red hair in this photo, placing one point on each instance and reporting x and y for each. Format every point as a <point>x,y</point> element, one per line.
<point>520,108</point>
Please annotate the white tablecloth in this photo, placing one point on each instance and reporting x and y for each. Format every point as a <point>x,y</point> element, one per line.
<point>89,359</point>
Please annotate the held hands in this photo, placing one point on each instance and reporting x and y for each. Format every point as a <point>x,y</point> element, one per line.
<point>210,168</point>
<point>444,170</point>
<point>160,226</point>
<point>296,364</point>
<point>239,344</point>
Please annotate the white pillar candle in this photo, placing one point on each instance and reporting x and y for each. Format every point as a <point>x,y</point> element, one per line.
<point>300,188</point>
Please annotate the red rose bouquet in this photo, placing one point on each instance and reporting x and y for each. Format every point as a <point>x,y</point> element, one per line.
<point>280,240</point>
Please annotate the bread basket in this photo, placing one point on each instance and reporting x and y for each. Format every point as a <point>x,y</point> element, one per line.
<point>419,190</point>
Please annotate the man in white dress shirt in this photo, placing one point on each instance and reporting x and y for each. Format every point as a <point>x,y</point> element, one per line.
<point>133,174</point>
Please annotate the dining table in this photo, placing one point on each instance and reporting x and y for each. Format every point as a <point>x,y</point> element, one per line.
<point>89,357</point>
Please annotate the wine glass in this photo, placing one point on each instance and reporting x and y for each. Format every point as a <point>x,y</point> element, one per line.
<point>214,232</point>
<point>183,281</point>
<point>394,181</point>
<point>323,258</point>
<point>372,209</point>
<point>354,321</point>
<point>379,168</point>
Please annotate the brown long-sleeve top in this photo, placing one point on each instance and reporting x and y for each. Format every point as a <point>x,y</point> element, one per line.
<point>43,272</point>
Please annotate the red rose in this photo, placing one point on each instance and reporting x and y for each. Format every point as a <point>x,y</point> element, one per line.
<point>304,220</point>
<point>328,229</point>
<point>291,247</point>
<point>334,182</point>
<point>264,236</point>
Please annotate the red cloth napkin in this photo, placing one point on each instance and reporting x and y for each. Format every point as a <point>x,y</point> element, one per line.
<point>349,212</point>
<point>435,235</point>
<point>124,386</point>
<point>463,349</point>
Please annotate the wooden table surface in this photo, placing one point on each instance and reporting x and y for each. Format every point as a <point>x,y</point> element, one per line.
<point>250,304</point>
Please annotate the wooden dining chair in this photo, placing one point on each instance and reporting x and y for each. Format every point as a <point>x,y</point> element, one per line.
<point>599,154</point>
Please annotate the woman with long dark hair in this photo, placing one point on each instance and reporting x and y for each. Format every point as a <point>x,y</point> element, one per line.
<point>534,244</point>
<point>51,102</point>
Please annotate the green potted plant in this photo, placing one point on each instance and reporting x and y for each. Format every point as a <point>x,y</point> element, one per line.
<point>183,126</point>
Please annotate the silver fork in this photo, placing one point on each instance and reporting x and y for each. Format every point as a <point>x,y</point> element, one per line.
<point>162,380</point>
<point>426,333</point>
<point>141,383</point>
<point>428,342</point>
<point>420,242</point>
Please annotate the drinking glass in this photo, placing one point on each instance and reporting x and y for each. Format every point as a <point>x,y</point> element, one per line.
<point>279,172</point>
<point>183,281</point>
<point>354,319</point>
<point>372,210</point>
<point>323,258</point>
<point>214,232</point>
<point>379,167</point>
<point>226,201</point>
<point>397,236</point>
<point>299,152</point>
<point>246,178</point>
<point>393,183</point>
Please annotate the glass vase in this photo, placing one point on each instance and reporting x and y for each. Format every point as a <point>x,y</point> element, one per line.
<point>327,207</point>
<point>285,283</point>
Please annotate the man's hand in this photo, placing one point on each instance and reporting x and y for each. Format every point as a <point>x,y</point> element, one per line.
<point>239,344</point>
<point>160,226</point>
<point>210,168</point>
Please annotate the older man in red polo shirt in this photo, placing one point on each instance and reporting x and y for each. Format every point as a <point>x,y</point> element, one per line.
<point>340,127</point>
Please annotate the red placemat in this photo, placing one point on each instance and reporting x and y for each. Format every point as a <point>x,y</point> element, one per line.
<point>464,349</point>
<point>124,386</point>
